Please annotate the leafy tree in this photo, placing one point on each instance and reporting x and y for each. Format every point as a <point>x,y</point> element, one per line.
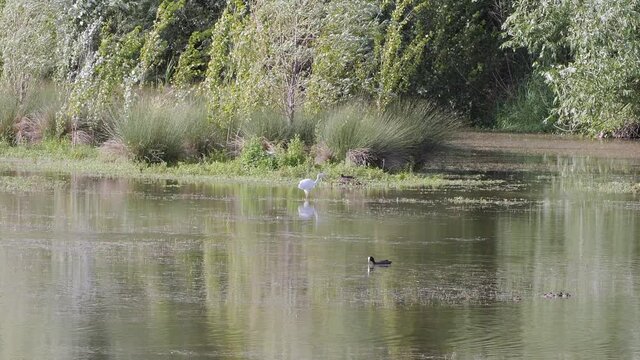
<point>176,22</point>
<point>227,66</point>
<point>262,55</point>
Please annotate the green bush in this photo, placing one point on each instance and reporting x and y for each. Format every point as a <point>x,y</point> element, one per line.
<point>587,52</point>
<point>399,136</point>
<point>528,110</point>
<point>294,155</point>
<point>254,155</point>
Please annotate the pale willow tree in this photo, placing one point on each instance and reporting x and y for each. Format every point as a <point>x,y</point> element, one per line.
<point>27,43</point>
<point>345,65</point>
<point>285,31</point>
<point>589,53</point>
<point>262,55</point>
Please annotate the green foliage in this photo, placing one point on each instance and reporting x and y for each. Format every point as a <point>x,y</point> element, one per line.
<point>254,155</point>
<point>294,155</point>
<point>27,40</point>
<point>102,85</point>
<point>587,52</point>
<point>273,126</point>
<point>152,53</point>
<point>463,64</point>
<point>31,119</point>
<point>226,66</point>
<point>528,110</point>
<point>193,61</point>
<point>399,136</point>
<point>401,52</point>
<point>267,124</point>
<point>344,65</point>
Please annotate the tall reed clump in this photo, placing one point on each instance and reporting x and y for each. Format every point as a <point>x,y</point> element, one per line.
<point>528,109</point>
<point>161,128</point>
<point>392,139</point>
<point>274,126</point>
<point>30,119</point>
<point>9,107</point>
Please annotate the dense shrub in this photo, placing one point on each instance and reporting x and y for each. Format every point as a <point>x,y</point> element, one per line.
<point>294,154</point>
<point>31,118</point>
<point>587,51</point>
<point>254,155</point>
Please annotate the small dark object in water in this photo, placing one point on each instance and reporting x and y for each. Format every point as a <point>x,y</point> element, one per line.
<point>373,262</point>
<point>551,295</point>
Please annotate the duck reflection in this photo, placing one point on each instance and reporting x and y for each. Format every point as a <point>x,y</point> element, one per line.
<point>307,212</point>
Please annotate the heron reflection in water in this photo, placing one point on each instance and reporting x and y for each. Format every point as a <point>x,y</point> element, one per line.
<point>307,211</point>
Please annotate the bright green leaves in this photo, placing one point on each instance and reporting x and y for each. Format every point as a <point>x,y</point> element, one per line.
<point>401,53</point>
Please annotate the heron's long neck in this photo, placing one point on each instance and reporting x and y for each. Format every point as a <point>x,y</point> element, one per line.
<point>318,178</point>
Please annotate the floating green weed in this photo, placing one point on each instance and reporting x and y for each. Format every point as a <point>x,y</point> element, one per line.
<point>29,184</point>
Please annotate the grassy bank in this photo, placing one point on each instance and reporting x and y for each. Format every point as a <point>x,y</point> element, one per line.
<point>63,157</point>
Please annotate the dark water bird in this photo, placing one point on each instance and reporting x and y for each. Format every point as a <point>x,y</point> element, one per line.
<point>373,262</point>
<point>307,184</point>
<point>348,180</point>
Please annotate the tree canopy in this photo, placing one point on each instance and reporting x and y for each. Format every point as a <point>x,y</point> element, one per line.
<point>300,56</point>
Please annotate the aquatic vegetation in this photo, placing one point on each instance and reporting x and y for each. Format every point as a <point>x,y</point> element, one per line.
<point>33,183</point>
<point>487,202</point>
<point>614,187</point>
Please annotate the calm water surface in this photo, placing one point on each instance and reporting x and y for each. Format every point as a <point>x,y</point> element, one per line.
<point>96,268</point>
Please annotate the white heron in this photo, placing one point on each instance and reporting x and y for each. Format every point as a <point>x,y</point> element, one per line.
<point>307,184</point>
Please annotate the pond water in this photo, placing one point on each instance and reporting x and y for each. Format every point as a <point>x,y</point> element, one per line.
<point>96,268</point>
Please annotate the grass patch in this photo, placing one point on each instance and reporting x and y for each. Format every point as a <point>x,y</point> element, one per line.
<point>9,109</point>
